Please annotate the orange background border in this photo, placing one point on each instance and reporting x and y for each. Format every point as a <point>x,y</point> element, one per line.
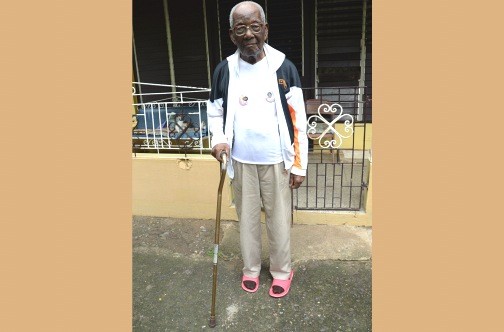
<point>66,166</point>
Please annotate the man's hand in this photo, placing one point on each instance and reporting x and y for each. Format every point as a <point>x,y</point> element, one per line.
<point>295,181</point>
<point>217,151</point>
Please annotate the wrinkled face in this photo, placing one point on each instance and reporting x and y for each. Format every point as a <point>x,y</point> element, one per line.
<point>249,33</point>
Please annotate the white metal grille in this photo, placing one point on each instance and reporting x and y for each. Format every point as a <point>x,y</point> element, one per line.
<point>175,122</point>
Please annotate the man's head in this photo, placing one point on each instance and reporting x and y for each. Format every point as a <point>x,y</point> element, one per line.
<point>248,30</point>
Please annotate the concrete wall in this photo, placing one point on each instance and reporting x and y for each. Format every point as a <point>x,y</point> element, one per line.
<point>172,186</point>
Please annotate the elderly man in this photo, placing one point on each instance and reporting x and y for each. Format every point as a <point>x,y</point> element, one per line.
<point>257,116</point>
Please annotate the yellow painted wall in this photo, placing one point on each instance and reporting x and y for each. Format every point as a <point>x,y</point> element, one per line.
<point>171,186</point>
<point>361,139</point>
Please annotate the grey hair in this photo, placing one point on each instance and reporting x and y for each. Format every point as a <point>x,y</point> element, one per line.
<point>261,11</point>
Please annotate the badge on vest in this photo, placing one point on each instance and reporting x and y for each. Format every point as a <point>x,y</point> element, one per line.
<point>283,83</point>
<point>270,98</point>
<point>243,100</point>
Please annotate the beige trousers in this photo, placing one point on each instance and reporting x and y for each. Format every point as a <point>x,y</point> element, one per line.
<point>269,184</point>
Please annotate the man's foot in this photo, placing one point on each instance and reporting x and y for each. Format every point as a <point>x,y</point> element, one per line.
<point>280,288</point>
<point>250,284</point>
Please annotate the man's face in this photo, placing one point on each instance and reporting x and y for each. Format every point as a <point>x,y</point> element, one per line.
<point>249,42</point>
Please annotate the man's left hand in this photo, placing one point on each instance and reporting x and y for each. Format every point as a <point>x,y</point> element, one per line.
<point>295,181</point>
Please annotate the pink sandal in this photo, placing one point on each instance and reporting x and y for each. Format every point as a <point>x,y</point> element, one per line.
<point>245,278</point>
<point>285,284</point>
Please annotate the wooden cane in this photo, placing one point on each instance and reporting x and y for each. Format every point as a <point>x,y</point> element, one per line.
<point>223,165</point>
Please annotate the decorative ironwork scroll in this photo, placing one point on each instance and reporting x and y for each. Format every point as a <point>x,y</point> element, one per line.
<point>336,112</point>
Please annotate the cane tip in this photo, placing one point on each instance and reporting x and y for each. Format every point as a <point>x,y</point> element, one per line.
<point>212,323</point>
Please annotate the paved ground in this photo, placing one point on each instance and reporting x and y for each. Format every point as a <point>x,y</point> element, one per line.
<point>172,279</point>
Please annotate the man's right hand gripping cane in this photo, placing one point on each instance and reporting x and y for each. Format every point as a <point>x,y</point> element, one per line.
<point>218,149</point>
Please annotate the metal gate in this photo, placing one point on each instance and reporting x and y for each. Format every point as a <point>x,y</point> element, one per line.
<point>339,158</point>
